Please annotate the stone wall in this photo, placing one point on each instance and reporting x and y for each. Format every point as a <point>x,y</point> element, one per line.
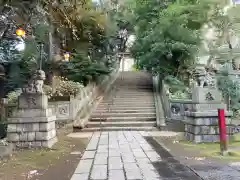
<point>67,110</point>
<point>78,108</point>
<point>178,108</point>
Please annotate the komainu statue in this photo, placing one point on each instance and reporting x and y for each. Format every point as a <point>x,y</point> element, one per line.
<point>35,85</point>
<point>204,79</point>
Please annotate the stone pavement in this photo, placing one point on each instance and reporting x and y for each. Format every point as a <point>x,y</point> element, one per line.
<point>208,168</point>
<point>128,155</point>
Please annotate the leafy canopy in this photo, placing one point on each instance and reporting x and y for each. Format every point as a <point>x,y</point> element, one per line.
<point>76,26</point>
<point>168,34</point>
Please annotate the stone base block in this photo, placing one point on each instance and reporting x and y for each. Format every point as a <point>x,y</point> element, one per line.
<point>207,107</point>
<point>205,133</point>
<point>37,144</point>
<point>30,127</point>
<point>32,113</point>
<point>201,138</point>
<point>204,118</point>
<point>31,136</point>
<point>31,120</point>
<point>25,132</point>
<point>202,130</point>
<point>33,101</point>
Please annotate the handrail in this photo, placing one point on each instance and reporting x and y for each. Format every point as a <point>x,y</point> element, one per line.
<point>160,117</point>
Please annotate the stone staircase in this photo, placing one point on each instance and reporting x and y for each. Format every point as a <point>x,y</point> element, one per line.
<point>128,106</point>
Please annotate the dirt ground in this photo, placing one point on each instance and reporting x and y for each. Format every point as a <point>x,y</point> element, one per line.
<point>59,162</point>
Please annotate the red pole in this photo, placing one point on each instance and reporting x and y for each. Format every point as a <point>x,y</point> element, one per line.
<point>222,131</point>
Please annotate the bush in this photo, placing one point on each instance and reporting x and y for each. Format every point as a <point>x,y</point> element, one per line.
<point>66,87</point>
<point>12,96</point>
<point>179,95</point>
<point>47,90</point>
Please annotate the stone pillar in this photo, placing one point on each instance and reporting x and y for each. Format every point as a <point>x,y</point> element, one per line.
<point>201,121</point>
<point>33,123</point>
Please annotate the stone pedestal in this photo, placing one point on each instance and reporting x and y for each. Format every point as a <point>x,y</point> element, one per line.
<point>201,121</point>
<point>32,124</point>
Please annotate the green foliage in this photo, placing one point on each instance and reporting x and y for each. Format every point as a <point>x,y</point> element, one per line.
<point>223,49</point>
<point>168,34</point>
<point>177,89</point>
<point>179,95</point>
<point>75,23</point>
<point>134,67</point>
<point>82,69</point>
<point>230,87</point>
<point>12,97</point>
<point>66,87</point>
<point>174,84</point>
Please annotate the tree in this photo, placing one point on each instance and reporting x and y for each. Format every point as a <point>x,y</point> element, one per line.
<point>225,23</point>
<point>225,51</point>
<point>65,25</point>
<point>168,35</point>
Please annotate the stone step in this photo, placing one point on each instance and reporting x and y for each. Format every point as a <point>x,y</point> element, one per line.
<point>122,124</point>
<point>124,107</point>
<point>121,114</point>
<point>128,102</point>
<point>128,118</point>
<point>137,128</point>
<point>131,101</point>
<point>138,87</point>
<point>114,102</point>
<point>142,110</point>
<point>130,98</point>
<point>132,89</point>
<point>131,92</point>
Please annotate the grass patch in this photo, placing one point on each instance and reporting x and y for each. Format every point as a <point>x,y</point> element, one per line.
<point>213,149</point>
<point>23,161</point>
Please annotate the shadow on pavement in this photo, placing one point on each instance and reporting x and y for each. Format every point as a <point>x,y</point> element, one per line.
<point>170,168</point>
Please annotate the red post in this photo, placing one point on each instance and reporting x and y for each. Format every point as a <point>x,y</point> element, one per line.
<point>222,131</point>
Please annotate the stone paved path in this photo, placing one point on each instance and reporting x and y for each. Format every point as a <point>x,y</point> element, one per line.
<point>128,155</point>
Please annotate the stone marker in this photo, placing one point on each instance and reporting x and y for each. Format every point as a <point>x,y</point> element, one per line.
<point>201,121</point>
<point>33,123</point>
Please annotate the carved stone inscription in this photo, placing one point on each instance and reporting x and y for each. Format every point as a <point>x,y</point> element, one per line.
<point>63,110</point>
<point>209,97</point>
<point>31,101</point>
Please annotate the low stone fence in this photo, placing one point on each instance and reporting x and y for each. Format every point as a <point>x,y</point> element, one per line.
<point>79,108</point>
<point>178,107</point>
<point>66,110</point>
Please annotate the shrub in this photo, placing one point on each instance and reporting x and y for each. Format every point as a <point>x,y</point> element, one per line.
<point>12,96</point>
<point>66,87</point>
<point>47,90</point>
<point>179,95</point>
